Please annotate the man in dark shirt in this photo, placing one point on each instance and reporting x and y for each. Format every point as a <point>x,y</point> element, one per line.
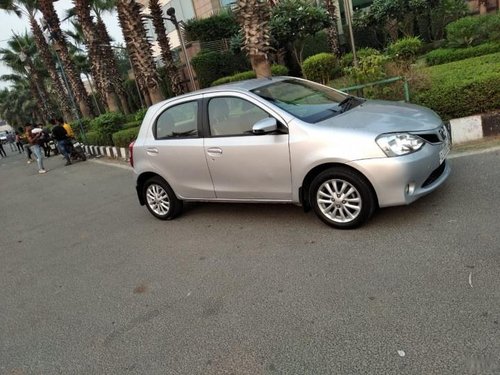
<point>60,135</point>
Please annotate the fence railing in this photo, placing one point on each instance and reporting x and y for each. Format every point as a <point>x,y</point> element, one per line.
<point>406,88</point>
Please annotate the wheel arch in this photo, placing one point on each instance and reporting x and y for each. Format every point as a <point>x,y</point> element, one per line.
<point>306,183</point>
<point>141,180</point>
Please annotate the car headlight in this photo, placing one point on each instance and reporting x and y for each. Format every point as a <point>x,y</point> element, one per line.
<point>397,144</point>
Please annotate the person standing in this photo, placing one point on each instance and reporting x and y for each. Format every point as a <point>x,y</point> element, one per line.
<point>61,137</point>
<point>19,144</point>
<point>67,127</point>
<point>35,140</point>
<point>23,137</point>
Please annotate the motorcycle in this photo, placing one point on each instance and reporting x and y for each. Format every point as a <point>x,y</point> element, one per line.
<point>76,150</point>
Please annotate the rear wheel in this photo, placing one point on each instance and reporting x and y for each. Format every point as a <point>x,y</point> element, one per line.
<point>160,199</point>
<point>342,198</point>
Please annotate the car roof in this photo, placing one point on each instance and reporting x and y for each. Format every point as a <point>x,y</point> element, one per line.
<point>242,86</point>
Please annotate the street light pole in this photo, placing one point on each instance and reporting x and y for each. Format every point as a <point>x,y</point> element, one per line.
<point>172,18</point>
<point>348,15</point>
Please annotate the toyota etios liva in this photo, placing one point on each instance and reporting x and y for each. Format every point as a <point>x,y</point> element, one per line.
<point>288,140</point>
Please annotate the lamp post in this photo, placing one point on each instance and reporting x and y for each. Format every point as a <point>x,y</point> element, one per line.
<point>48,35</point>
<point>348,16</point>
<point>172,18</point>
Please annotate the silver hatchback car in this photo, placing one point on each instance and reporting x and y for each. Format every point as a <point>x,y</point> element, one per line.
<point>288,140</point>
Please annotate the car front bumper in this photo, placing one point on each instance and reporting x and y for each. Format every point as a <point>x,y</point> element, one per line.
<point>402,180</point>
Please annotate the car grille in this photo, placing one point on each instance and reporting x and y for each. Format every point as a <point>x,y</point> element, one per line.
<point>435,174</point>
<point>440,135</point>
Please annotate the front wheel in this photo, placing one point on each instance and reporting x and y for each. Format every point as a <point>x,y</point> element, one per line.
<point>342,198</point>
<point>160,199</point>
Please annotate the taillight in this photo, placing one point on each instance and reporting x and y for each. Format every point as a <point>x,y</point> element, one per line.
<point>131,153</point>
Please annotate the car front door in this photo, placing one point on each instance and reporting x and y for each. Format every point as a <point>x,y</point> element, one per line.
<point>244,165</point>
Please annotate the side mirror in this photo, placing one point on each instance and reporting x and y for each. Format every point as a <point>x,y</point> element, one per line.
<point>264,126</point>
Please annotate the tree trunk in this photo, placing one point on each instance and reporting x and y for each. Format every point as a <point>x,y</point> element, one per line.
<point>59,43</point>
<point>333,38</point>
<point>260,66</point>
<point>97,57</point>
<point>129,15</point>
<point>253,16</point>
<point>164,42</point>
<point>44,51</point>
<point>111,67</point>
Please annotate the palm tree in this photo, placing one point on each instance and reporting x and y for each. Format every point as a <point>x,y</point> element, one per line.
<point>96,57</point>
<point>17,106</point>
<point>99,7</point>
<point>139,48</point>
<point>48,60</point>
<point>28,9</point>
<point>20,57</point>
<point>59,43</point>
<point>253,16</point>
<point>331,7</point>
<point>164,43</point>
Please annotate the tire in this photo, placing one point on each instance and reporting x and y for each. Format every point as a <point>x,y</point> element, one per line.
<point>160,199</point>
<point>342,198</point>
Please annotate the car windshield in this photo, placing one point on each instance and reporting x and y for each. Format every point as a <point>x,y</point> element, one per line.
<point>308,101</point>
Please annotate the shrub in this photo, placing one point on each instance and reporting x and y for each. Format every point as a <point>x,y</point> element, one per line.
<point>348,59</point>
<point>463,88</point>
<point>405,49</point>
<point>216,27</point>
<point>446,55</point>
<point>316,44</point>
<point>96,139</point>
<point>212,65</point>
<point>276,70</point>
<point>123,138</point>
<point>321,67</point>
<point>107,123</point>
<point>473,30</point>
<point>139,115</point>
<point>75,124</point>
<point>369,69</point>
<point>131,124</point>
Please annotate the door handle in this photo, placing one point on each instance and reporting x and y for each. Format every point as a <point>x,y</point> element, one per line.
<point>214,151</point>
<point>152,150</point>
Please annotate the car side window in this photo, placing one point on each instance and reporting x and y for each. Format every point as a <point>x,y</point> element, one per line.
<point>233,116</point>
<point>180,121</point>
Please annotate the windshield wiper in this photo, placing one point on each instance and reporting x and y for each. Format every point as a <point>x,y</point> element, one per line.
<point>349,102</point>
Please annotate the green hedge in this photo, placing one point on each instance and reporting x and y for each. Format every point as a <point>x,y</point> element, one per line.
<point>216,27</point>
<point>276,70</point>
<point>446,55</point>
<point>211,65</point>
<point>321,68</point>
<point>96,139</point>
<point>473,30</point>
<point>123,138</point>
<point>405,49</point>
<point>131,124</point>
<point>463,88</point>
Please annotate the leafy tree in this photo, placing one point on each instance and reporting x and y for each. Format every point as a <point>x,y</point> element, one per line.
<point>293,21</point>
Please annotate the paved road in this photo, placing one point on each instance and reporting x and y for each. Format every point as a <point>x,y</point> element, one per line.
<point>91,283</point>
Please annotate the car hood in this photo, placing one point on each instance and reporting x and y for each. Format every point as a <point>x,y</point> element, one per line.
<point>380,116</point>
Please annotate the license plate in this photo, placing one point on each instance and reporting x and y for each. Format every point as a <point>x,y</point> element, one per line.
<point>444,152</point>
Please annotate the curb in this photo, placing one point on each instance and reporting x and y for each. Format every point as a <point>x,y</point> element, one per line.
<point>472,128</point>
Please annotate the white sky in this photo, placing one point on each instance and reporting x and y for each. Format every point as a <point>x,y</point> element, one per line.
<point>10,22</point>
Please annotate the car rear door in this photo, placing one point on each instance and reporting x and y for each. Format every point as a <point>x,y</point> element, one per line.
<point>175,149</point>
<point>244,166</point>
